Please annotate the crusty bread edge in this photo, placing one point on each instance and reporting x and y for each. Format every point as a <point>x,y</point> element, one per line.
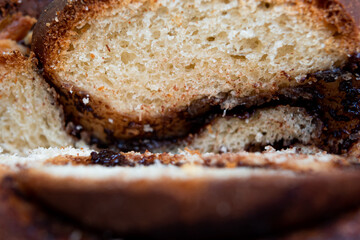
<point>62,15</point>
<point>227,206</point>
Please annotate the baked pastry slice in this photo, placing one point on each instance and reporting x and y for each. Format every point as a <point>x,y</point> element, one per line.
<point>29,114</point>
<point>165,195</point>
<point>122,68</point>
<point>279,126</point>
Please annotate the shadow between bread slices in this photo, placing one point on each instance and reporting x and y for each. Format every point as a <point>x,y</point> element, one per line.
<point>122,88</point>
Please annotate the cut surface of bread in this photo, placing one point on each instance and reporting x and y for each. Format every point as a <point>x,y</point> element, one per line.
<point>280,126</point>
<point>29,114</point>
<point>122,65</point>
<point>266,127</point>
<point>159,194</point>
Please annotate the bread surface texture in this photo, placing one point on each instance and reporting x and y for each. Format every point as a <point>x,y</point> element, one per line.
<point>265,127</point>
<point>168,55</point>
<point>29,115</point>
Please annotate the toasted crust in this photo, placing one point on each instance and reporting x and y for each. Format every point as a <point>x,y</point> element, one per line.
<point>203,207</point>
<point>67,14</point>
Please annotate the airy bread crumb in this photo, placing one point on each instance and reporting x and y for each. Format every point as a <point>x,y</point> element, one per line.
<point>29,115</point>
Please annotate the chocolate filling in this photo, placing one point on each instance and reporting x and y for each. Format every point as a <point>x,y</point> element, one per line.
<point>332,96</point>
<point>109,158</point>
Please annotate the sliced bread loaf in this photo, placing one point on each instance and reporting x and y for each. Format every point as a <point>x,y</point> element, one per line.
<point>121,65</point>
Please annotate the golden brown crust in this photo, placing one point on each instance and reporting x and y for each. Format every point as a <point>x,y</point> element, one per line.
<point>334,13</point>
<point>12,59</point>
<point>228,207</point>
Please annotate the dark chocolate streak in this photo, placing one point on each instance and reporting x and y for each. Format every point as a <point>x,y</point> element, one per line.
<point>333,96</point>
<point>110,159</point>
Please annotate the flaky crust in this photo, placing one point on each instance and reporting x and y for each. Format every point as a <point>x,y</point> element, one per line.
<point>50,36</point>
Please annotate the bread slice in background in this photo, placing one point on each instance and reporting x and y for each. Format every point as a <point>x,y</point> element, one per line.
<point>29,114</point>
<point>282,125</point>
<point>122,65</point>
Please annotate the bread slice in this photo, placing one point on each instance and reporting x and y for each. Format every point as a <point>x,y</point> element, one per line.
<point>245,194</point>
<point>282,126</point>
<point>121,65</point>
<point>23,218</point>
<point>29,114</point>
